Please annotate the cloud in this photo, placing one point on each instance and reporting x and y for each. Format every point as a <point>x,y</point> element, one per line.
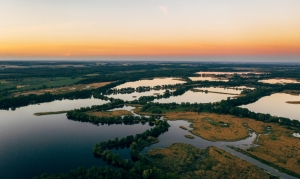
<point>164,9</point>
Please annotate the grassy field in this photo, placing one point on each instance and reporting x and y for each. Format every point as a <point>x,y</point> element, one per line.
<point>138,111</point>
<point>49,113</point>
<point>164,111</point>
<point>110,113</point>
<point>63,89</point>
<point>36,83</point>
<point>213,127</point>
<point>279,147</point>
<point>276,143</point>
<point>189,162</point>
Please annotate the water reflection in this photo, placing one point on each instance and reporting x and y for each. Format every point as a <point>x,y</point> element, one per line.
<point>151,83</point>
<point>207,79</point>
<point>175,135</point>
<point>195,97</point>
<point>136,95</point>
<point>226,73</point>
<point>296,135</point>
<point>276,105</point>
<point>281,81</point>
<point>235,91</point>
<point>31,145</point>
<point>58,105</point>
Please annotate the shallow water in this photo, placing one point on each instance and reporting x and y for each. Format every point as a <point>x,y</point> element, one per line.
<point>176,135</point>
<point>207,79</point>
<point>226,73</point>
<point>195,97</point>
<point>136,95</point>
<point>222,90</point>
<point>31,145</point>
<point>276,105</point>
<point>151,83</point>
<point>281,81</point>
<point>296,135</point>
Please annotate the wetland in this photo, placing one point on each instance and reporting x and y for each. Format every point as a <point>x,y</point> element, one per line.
<point>149,120</point>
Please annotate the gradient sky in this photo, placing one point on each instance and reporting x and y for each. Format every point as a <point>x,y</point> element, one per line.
<point>95,28</point>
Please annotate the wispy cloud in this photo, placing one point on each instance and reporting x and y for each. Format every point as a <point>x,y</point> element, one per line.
<point>164,9</point>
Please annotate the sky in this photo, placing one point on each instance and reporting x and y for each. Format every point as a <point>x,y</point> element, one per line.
<point>121,28</point>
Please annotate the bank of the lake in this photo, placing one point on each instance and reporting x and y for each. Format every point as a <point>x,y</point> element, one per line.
<point>32,145</point>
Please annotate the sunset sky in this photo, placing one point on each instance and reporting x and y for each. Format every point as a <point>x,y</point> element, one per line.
<point>99,28</point>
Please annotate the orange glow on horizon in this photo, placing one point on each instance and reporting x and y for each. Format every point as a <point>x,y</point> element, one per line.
<point>144,49</point>
<point>148,28</point>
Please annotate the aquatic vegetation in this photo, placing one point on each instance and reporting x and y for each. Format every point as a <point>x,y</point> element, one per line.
<point>187,161</point>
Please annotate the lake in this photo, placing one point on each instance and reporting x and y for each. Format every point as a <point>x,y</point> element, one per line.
<point>281,81</point>
<point>276,105</point>
<point>31,145</point>
<point>226,73</point>
<point>200,78</point>
<point>136,95</point>
<point>195,97</point>
<point>235,90</point>
<point>151,83</point>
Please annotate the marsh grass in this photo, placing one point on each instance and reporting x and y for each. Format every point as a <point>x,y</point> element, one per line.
<point>183,127</point>
<point>276,143</point>
<point>213,127</point>
<point>58,88</point>
<point>110,113</point>
<point>189,136</point>
<point>187,161</point>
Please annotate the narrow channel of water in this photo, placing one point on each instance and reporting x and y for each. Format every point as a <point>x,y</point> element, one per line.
<point>176,135</point>
<point>31,145</point>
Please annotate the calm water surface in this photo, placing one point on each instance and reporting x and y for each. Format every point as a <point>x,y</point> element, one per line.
<point>226,73</point>
<point>200,78</point>
<point>222,90</point>
<point>195,97</point>
<point>281,81</point>
<point>31,145</point>
<point>176,135</point>
<point>275,104</point>
<point>151,83</point>
<point>296,135</point>
<point>136,95</point>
